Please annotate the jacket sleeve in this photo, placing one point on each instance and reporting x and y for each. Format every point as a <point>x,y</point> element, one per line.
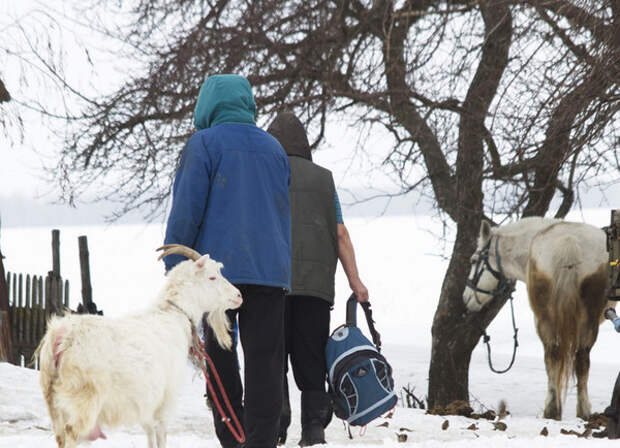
<point>189,198</point>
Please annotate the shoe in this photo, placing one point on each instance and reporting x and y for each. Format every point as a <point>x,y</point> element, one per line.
<point>315,416</point>
<point>312,435</point>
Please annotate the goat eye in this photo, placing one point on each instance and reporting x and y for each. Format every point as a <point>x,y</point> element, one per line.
<point>211,278</point>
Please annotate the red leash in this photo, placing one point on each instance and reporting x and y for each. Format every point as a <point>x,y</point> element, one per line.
<point>199,354</point>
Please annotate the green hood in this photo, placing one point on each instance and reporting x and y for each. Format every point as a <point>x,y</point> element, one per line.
<point>224,99</point>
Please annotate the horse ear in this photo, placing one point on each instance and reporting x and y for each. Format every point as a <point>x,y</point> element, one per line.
<point>485,230</point>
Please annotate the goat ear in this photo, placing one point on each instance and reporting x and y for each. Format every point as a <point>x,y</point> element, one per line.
<point>200,263</point>
<point>485,230</point>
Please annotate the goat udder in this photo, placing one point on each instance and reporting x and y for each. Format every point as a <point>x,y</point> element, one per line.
<point>95,434</point>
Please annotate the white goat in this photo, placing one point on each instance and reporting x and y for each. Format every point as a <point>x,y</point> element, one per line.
<point>98,371</point>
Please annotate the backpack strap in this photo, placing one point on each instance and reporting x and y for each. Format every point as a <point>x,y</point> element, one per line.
<point>351,311</point>
<point>351,320</point>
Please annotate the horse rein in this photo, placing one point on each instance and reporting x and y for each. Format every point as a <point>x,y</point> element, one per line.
<point>504,288</point>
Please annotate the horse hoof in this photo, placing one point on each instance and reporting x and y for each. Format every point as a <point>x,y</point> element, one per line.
<point>553,415</point>
<point>583,415</point>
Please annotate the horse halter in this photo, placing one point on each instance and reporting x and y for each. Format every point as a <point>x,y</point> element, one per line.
<point>504,286</point>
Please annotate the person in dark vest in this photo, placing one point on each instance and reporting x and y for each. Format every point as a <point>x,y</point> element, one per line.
<point>231,200</point>
<point>318,239</point>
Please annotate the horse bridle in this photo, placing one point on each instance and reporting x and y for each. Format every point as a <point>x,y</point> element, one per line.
<point>504,286</point>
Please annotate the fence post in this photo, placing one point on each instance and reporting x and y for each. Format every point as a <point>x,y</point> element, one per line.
<point>53,294</point>
<point>22,310</point>
<point>87,290</point>
<point>5,324</point>
<point>5,337</point>
<point>56,252</point>
<point>28,313</point>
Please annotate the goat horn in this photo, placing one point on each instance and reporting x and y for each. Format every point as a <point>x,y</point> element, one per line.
<point>180,250</point>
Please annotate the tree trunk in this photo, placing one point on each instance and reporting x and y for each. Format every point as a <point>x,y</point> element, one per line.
<point>455,335</point>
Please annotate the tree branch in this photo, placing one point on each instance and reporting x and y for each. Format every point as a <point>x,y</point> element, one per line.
<point>557,146</point>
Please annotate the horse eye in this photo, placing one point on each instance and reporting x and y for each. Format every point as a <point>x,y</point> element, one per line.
<point>211,278</point>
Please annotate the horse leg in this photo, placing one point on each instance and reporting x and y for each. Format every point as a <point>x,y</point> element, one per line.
<point>582,369</point>
<point>594,301</point>
<point>553,402</point>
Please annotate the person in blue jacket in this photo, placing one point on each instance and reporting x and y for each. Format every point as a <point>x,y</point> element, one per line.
<point>231,200</point>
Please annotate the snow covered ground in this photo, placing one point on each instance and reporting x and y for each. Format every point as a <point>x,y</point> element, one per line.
<point>402,262</point>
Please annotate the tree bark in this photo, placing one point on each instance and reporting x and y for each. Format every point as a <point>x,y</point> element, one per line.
<point>455,333</point>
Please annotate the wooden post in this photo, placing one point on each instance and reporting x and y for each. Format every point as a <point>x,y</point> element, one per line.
<point>5,337</point>
<point>36,309</point>
<point>87,291</point>
<point>14,318</point>
<point>53,295</point>
<point>28,314</point>
<point>56,252</point>
<point>52,302</point>
<point>20,305</point>
<point>42,324</point>
<point>5,324</point>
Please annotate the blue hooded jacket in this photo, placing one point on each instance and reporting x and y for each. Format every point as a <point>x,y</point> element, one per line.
<point>230,196</point>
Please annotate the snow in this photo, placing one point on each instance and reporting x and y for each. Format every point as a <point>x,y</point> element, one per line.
<point>402,262</point>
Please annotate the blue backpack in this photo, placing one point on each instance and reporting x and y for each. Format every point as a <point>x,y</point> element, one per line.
<point>359,377</point>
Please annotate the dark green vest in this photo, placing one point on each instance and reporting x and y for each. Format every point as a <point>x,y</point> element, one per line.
<point>314,233</point>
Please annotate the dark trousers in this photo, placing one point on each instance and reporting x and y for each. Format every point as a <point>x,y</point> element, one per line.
<point>261,331</point>
<point>306,326</point>
<point>306,332</point>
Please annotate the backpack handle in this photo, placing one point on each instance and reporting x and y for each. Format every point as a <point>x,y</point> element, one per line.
<point>351,320</point>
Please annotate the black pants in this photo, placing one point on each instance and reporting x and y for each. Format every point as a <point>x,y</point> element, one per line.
<point>306,333</point>
<point>261,331</point>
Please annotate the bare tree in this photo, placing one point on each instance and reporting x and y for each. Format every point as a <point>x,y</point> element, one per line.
<point>507,105</point>
<point>34,86</point>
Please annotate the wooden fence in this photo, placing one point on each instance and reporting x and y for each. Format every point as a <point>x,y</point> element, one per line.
<point>27,302</point>
<point>32,299</point>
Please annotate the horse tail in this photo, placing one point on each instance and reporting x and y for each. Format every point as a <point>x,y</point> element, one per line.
<point>566,260</point>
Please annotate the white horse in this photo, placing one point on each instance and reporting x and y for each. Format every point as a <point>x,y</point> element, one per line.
<point>564,265</point>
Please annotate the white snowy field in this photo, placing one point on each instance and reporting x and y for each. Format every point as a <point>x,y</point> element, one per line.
<point>400,260</point>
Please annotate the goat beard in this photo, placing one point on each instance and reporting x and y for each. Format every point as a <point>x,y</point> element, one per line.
<point>220,324</point>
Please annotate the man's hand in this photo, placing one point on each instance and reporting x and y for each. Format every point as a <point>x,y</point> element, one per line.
<point>361,292</point>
